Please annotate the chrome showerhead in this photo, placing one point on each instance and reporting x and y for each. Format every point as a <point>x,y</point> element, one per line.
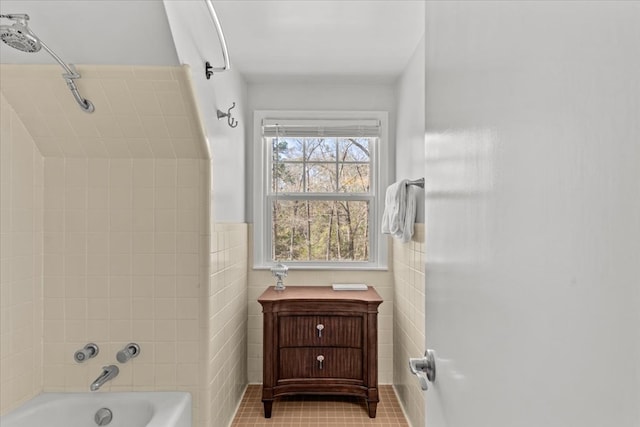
<point>18,35</point>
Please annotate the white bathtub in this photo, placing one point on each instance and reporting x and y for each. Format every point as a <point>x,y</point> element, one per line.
<point>135,409</point>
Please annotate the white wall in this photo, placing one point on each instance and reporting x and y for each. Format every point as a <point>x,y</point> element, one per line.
<point>114,32</point>
<point>197,42</point>
<point>533,213</point>
<point>408,264</point>
<point>318,96</point>
<point>410,124</point>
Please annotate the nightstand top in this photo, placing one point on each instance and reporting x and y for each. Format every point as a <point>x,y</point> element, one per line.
<point>320,293</point>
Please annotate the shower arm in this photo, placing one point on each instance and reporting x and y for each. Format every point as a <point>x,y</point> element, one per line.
<point>70,73</point>
<point>69,76</point>
<point>223,43</point>
<point>22,18</point>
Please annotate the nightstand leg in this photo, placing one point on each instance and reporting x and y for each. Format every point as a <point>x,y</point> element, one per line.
<point>268,404</point>
<point>372,409</point>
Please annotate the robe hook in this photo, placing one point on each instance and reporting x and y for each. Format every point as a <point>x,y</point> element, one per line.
<point>230,120</point>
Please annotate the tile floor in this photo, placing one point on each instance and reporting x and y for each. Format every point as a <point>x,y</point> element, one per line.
<point>319,411</point>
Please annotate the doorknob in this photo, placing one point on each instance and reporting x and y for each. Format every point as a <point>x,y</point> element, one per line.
<point>424,368</point>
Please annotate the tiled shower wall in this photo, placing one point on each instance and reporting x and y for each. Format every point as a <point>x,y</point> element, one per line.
<point>227,339</point>
<point>141,112</point>
<point>122,245</point>
<point>21,169</point>
<point>143,285</point>
<point>124,261</point>
<point>408,322</point>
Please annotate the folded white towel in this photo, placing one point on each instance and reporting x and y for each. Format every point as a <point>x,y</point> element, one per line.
<point>394,207</point>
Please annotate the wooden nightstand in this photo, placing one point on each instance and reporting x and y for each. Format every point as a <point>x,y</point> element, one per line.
<point>320,341</point>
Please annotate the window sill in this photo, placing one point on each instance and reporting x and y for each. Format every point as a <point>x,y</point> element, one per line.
<point>326,267</point>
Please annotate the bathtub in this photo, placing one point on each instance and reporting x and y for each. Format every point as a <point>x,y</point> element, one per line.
<point>128,409</point>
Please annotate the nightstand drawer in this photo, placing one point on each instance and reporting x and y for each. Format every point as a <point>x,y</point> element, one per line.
<point>316,331</point>
<point>321,362</point>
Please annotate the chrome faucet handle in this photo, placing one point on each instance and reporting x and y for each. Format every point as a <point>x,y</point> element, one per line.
<point>424,368</point>
<point>89,351</point>
<point>130,351</point>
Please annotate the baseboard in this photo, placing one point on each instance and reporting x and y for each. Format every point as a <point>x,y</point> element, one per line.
<point>235,412</point>
<point>404,411</point>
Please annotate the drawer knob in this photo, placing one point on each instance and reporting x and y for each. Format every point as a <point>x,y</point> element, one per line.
<point>320,327</point>
<point>320,359</point>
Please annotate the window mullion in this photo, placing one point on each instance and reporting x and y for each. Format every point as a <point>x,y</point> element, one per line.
<point>323,196</point>
<point>337,164</point>
<point>304,166</point>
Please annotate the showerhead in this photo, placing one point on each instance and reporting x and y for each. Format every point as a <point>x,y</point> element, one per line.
<point>19,37</point>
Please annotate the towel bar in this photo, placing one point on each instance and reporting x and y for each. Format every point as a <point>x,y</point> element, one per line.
<point>419,182</point>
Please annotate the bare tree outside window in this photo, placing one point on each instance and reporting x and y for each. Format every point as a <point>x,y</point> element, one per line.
<point>320,196</point>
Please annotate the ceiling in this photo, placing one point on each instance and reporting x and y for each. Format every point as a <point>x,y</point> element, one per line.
<point>114,32</point>
<point>335,38</point>
<point>267,39</point>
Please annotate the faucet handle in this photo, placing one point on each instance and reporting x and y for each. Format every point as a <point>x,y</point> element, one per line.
<point>89,351</point>
<point>130,351</point>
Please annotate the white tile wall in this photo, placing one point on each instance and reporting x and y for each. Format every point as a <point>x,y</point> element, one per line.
<point>122,249</point>
<point>227,340</point>
<point>21,167</point>
<point>122,279</point>
<point>123,262</point>
<point>141,111</point>
<point>408,322</point>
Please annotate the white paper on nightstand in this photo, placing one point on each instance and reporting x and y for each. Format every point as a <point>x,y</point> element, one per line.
<point>350,287</point>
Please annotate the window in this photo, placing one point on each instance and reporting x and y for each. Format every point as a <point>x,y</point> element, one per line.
<point>318,202</point>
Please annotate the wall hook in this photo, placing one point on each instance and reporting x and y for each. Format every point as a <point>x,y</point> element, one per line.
<point>230,120</point>
<point>208,70</point>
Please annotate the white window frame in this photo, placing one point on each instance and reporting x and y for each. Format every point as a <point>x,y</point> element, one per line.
<point>261,181</point>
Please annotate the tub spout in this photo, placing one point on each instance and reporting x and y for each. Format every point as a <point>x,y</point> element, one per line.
<point>108,373</point>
